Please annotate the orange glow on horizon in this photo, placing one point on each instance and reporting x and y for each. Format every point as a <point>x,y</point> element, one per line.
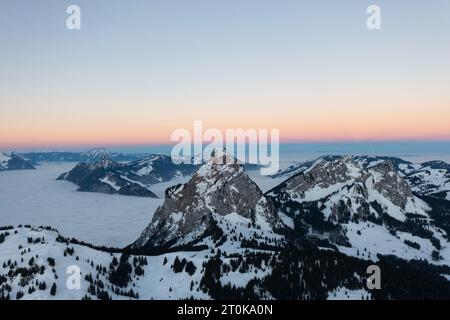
<point>305,134</point>
<point>344,121</point>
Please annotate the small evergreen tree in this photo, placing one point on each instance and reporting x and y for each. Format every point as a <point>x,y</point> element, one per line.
<point>53,289</point>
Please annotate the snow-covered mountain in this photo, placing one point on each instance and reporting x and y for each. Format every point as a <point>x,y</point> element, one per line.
<point>220,193</point>
<point>298,167</point>
<point>361,209</point>
<point>218,236</point>
<point>133,178</point>
<point>346,190</point>
<point>402,166</point>
<point>14,161</point>
<point>428,179</point>
<point>105,176</point>
<point>157,168</point>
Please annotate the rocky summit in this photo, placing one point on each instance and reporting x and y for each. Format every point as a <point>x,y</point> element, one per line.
<point>219,188</point>
<point>343,190</point>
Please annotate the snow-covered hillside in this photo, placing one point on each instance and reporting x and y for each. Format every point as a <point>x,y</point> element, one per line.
<point>39,263</point>
<point>35,259</point>
<point>432,179</point>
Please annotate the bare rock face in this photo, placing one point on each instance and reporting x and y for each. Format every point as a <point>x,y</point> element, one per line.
<point>324,174</point>
<point>218,188</point>
<point>391,185</point>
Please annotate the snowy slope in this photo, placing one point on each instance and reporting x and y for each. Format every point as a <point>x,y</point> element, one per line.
<point>39,263</point>
<point>432,179</point>
<point>159,281</point>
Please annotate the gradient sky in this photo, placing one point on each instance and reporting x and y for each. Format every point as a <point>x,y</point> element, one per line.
<point>139,69</point>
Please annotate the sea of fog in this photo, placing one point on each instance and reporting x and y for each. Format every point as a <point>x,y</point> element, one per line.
<point>35,197</point>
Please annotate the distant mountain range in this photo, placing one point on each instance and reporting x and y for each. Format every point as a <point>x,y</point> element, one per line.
<point>14,161</point>
<point>99,170</point>
<point>89,156</point>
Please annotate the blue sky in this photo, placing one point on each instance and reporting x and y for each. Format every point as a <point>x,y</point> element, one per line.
<point>139,69</point>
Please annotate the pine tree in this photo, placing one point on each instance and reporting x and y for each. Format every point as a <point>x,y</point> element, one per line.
<point>121,275</point>
<point>42,286</point>
<point>139,271</point>
<point>190,268</point>
<point>53,289</point>
<point>51,261</point>
<point>19,295</point>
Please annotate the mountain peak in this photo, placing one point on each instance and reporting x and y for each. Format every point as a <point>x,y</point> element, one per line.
<point>221,156</point>
<point>345,189</point>
<point>104,162</point>
<point>217,189</point>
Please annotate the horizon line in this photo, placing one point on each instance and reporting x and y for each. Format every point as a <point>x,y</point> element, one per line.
<point>72,147</point>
